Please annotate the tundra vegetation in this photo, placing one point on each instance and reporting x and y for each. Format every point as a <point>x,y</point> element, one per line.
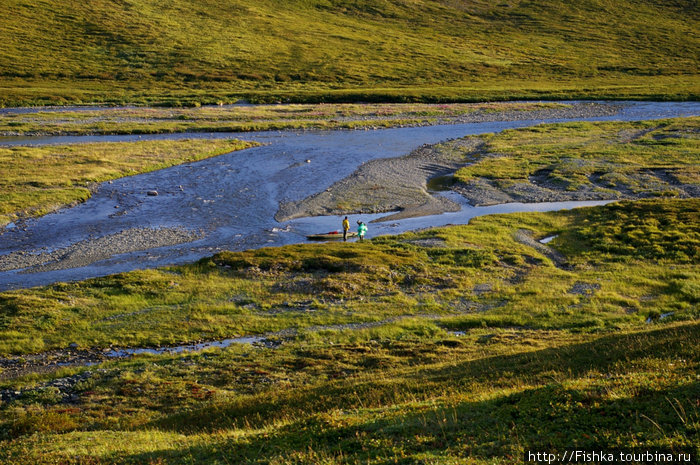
<point>470,345</point>
<point>213,51</point>
<point>242,118</point>
<point>466,344</point>
<point>572,155</point>
<point>584,160</point>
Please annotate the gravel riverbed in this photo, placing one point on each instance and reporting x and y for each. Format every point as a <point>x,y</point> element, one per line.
<point>392,184</point>
<point>93,250</point>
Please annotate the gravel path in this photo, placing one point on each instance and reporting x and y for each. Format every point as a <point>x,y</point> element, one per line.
<point>574,110</point>
<point>494,112</point>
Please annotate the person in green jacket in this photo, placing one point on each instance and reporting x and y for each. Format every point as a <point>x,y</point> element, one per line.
<point>361,229</point>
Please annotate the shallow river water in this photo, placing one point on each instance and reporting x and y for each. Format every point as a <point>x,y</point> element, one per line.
<point>230,200</point>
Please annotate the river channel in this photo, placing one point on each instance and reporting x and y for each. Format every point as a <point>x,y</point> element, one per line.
<point>229,201</point>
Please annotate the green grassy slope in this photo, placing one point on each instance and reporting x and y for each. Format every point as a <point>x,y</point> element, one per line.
<point>597,158</point>
<point>600,354</point>
<point>141,50</point>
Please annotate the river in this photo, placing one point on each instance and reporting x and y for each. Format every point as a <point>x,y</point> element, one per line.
<point>230,200</point>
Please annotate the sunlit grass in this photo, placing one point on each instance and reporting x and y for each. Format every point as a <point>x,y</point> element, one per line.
<point>489,394</point>
<point>241,118</point>
<point>267,51</point>
<point>267,290</point>
<point>545,357</point>
<point>597,156</point>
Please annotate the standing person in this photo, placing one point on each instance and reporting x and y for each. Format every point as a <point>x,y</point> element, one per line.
<point>346,227</point>
<point>361,229</point>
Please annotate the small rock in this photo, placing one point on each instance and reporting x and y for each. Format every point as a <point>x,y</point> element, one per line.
<point>73,345</point>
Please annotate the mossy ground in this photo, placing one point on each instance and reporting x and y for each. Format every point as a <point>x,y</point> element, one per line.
<point>634,159</point>
<point>550,357</point>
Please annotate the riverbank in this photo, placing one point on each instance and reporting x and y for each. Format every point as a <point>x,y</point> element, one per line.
<point>387,185</point>
<point>270,289</point>
<point>242,189</point>
<point>89,251</point>
<point>546,163</point>
<point>248,118</point>
<point>39,180</point>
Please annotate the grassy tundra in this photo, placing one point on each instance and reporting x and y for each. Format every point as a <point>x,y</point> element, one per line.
<point>467,344</point>
<point>590,344</point>
<point>569,154</point>
<point>576,161</point>
<point>213,51</point>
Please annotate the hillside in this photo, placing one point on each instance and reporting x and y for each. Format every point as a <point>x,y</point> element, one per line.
<point>267,50</point>
<point>461,345</point>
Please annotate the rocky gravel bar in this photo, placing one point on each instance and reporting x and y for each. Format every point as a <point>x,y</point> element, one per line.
<point>89,251</point>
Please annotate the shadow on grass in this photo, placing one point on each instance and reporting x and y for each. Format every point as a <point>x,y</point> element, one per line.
<point>554,415</point>
<point>549,418</point>
<point>537,367</point>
